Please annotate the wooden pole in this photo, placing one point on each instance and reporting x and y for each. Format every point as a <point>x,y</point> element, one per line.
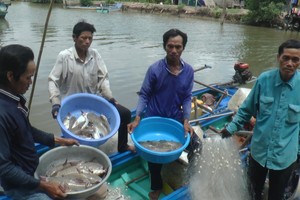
<point>39,56</point>
<point>224,13</point>
<point>211,87</point>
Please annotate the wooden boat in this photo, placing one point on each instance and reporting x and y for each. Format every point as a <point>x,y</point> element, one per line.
<point>131,171</point>
<point>109,8</point>
<point>99,8</point>
<point>130,174</point>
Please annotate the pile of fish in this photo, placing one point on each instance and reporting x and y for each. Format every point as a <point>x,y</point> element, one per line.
<point>161,145</point>
<point>75,176</point>
<point>88,125</point>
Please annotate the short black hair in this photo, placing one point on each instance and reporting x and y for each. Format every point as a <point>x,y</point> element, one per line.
<point>289,44</point>
<point>81,27</point>
<point>173,33</point>
<point>14,58</point>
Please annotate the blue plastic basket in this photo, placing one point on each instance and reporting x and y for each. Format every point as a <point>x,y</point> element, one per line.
<point>155,129</point>
<point>76,103</point>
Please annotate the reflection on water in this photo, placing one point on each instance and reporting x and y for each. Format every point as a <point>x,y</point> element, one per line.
<point>130,42</point>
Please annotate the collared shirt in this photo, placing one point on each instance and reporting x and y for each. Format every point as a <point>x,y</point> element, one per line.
<point>276,106</point>
<point>165,94</point>
<point>18,156</point>
<point>71,75</point>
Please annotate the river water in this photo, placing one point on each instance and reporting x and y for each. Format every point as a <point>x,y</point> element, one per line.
<point>130,41</point>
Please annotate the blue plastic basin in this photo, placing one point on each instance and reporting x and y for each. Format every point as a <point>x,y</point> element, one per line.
<point>155,129</point>
<point>76,103</point>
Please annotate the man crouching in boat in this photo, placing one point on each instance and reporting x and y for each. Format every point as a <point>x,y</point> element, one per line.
<point>275,102</point>
<point>18,156</point>
<point>167,92</point>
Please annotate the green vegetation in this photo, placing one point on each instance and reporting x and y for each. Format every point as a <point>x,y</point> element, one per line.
<point>86,2</point>
<point>264,12</point>
<point>180,7</point>
<point>261,12</point>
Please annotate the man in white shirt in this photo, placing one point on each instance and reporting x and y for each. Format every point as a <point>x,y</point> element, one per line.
<point>82,69</point>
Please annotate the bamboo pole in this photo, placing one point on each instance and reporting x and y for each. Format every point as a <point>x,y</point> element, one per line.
<point>40,55</point>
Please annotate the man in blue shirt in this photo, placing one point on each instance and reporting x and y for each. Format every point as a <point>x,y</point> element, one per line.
<point>167,92</point>
<point>18,156</point>
<point>275,103</point>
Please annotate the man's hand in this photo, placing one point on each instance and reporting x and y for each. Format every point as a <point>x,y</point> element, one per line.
<point>66,141</point>
<point>54,190</point>
<point>55,109</point>
<point>225,133</point>
<point>113,101</point>
<point>133,125</point>
<point>188,128</point>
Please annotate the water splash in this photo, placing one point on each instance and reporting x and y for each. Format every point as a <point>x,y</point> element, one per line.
<point>218,174</point>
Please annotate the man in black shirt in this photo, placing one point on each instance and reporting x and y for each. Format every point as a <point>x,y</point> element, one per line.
<point>18,156</point>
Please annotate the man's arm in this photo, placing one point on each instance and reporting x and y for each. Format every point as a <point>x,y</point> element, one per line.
<point>54,81</point>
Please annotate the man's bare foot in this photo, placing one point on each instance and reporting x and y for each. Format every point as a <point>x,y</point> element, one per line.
<point>154,195</point>
<point>131,148</point>
<point>128,148</point>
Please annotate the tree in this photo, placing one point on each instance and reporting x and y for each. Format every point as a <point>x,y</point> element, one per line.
<point>264,12</point>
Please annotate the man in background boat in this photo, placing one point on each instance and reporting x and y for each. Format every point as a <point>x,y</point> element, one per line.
<point>275,102</point>
<point>82,69</point>
<point>18,156</point>
<point>167,92</point>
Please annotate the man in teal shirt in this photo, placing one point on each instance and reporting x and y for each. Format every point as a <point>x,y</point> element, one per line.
<point>275,102</point>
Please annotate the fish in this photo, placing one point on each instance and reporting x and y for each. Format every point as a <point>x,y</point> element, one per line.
<point>81,121</point>
<point>66,121</point>
<point>93,168</point>
<point>161,145</point>
<point>74,182</point>
<point>87,132</point>
<point>55,168</point>
<point>100,123</point>
<point>88,125</point>
<point>75,175</point>
<point>68,170</point>
<point>72,121</point>
<point>105,122</point>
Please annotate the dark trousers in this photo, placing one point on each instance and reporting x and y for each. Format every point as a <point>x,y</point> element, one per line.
<point>278,180</point>
<point>194,146</point>
<point>125,118</point>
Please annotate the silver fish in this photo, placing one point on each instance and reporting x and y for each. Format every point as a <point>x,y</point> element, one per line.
<point>66,121</point>
<point>105,122</point>
<point>87,132</point>
<point>161,145</point>
<point>81,121</point>
<point>75,182</point>
<point>68,170</point>
<point>92,168</point>
<point>55,168</point>
<point>100,123</point>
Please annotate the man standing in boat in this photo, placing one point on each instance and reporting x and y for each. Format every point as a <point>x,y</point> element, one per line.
<point>18,157</point>
<point>167,92</point>
<point>82,69</point>
<point>275,102</point>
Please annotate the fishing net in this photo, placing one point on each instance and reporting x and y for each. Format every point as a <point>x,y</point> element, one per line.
<point>219,174</point>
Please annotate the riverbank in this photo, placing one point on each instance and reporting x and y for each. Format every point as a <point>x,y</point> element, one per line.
<point>230,15</point>
<point>233,15</point>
